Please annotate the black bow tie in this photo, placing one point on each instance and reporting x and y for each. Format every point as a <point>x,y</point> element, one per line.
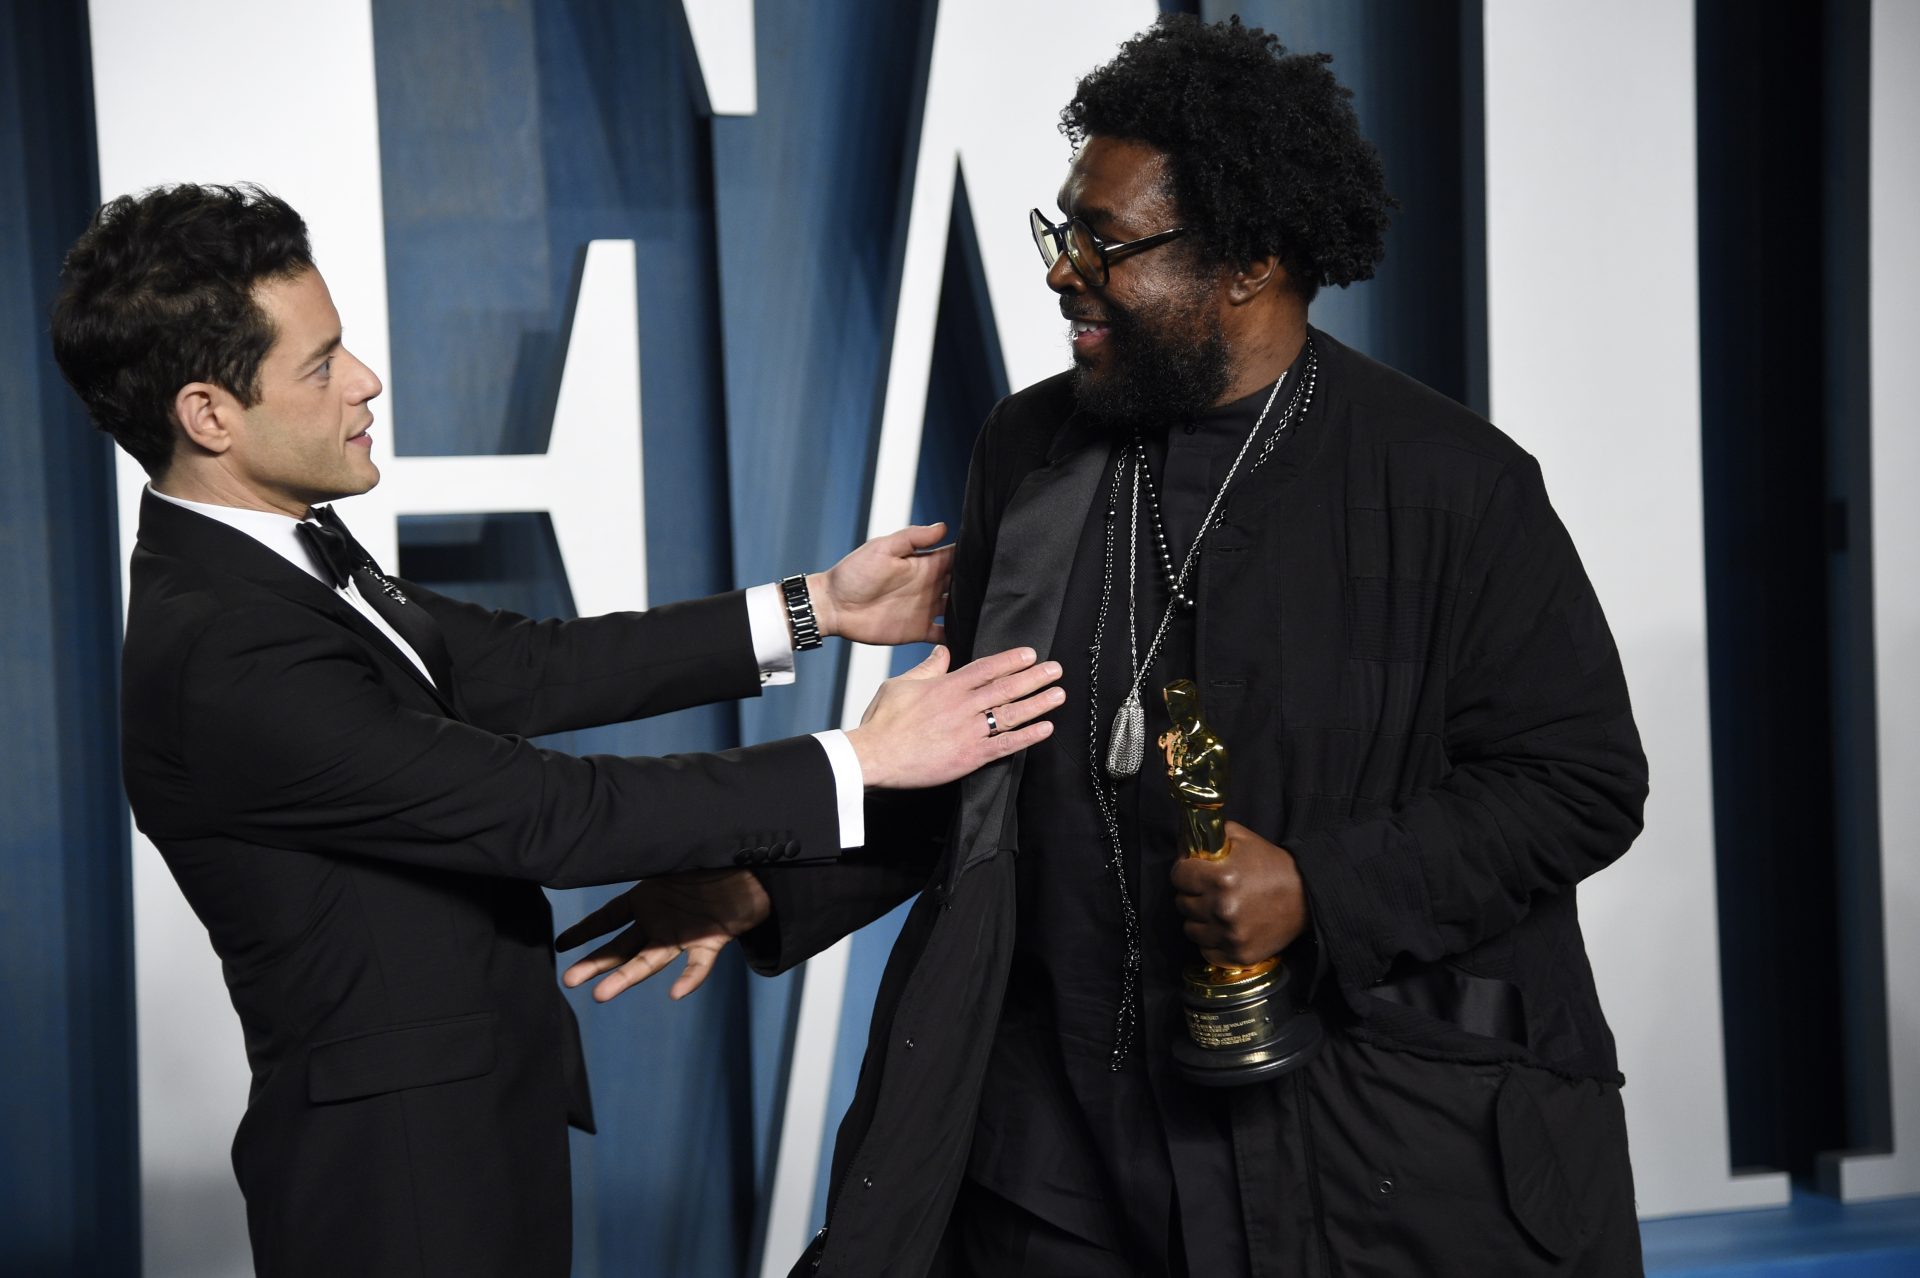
<point>341,559</point>
<point>335,553</point>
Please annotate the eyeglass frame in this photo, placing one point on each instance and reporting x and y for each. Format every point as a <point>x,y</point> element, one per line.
<point>1060,233</point>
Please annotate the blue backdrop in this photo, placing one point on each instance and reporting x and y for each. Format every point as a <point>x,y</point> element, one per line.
<point>68,1165</point>
<point>513,133</point>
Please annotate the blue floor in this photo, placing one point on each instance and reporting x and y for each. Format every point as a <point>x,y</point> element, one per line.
<point>1813,1237</point>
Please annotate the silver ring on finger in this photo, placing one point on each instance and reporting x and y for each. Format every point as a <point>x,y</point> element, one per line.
<point>993,724</point>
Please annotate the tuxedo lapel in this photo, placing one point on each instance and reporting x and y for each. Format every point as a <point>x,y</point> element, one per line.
<point>166,529</point>
<point>1032,556</point>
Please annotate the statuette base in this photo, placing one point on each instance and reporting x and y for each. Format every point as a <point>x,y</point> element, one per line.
<point>1242,1026</point>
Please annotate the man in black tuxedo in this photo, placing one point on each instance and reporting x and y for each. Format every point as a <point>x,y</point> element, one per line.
<point>335,763</point>
<point>1431,745</point>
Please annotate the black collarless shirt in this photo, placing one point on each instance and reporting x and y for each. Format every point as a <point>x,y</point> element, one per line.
<point>1135,1159</point>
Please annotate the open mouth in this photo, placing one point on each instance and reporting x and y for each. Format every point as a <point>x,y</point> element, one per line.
<point>1087,334</point>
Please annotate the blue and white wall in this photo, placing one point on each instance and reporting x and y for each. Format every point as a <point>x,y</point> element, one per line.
<point>677,295</point>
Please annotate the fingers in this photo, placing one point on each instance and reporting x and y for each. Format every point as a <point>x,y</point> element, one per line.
<point>633,971</point>
<point>1219,945</point>
<point>1208,940</point>
<point>698,967</point>
<point>934,666</point>
<point>925,539</point>
<point>1014,714</point>
<point>1194,876</point>
<point>626,960</point>
<point>1013,742</point>
<point>1021,683</point>
<point>984,670</point>
<point>613,914</point>
<point>912,538</point>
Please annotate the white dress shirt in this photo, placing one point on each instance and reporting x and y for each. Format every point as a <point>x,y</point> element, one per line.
<point>766,624</point>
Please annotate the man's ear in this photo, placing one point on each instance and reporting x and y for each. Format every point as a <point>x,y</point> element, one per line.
<point>205,412</point>
<point>1255,278</point>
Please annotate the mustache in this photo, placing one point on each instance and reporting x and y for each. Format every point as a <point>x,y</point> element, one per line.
<point>1112,316</point>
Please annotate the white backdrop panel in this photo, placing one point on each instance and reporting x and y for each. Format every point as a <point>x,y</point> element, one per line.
<point>1593,342</point>
<point>314,139</point>
<point>214,91</point>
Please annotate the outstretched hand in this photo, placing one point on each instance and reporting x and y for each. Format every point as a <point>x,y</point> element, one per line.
<point>929,726</point>
<point>695,914</point>
<point>890,591</point>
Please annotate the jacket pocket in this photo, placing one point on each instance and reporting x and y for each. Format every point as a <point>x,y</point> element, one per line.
<point>1538,1191</point>
<point>388,1060</point>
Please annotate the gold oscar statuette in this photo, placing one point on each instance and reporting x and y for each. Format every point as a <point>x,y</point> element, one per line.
<point>1242,1025</point>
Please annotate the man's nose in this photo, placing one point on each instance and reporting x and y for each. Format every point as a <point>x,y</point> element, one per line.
<point>1062,278</point>
<point>369,385</point>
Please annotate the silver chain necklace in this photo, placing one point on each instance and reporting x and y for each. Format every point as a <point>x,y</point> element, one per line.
<point>1127,743</point>
<point>1099,768</point>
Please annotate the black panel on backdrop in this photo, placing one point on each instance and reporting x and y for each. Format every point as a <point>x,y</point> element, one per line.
<point>68,1151</point>
<point>1856,787</point>
<point>1768,291</point>
<point>1415,73</point>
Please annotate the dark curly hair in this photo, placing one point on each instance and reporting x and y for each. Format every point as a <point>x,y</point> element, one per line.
<point>158,292</point>
<point>1265,152</point>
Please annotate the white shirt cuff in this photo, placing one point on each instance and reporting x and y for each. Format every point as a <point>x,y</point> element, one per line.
<point>772,637</point>
<point>849,787</point>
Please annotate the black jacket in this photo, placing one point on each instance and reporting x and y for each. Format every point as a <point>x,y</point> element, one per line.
<point>1425,707</point>
<point>367,860</point>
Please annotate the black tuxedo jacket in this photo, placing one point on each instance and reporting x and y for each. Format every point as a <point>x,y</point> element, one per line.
<point>366,852</point>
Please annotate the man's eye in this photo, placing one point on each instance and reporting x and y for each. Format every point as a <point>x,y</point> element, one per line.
<point>326,366</point>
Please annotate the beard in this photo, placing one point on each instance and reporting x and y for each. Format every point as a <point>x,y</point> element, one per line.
<point>1165,364</point>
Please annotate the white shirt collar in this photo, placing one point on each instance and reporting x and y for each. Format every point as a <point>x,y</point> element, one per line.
<point>270,528</point>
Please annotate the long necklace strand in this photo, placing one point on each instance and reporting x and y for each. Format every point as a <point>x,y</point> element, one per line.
<point>1127,742</point>
<point>1106,798</point>
<point>1302,394</point>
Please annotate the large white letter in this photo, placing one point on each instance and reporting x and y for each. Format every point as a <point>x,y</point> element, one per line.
<point>722,32</point>
<point>992,105</point>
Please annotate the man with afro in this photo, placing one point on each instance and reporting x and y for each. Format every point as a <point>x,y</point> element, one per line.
<point>1430,744</point>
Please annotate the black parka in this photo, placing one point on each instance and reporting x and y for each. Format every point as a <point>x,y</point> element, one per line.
<point>1426,709</point>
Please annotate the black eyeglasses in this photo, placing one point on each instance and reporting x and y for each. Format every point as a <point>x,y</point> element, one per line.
<point>1085,252</point>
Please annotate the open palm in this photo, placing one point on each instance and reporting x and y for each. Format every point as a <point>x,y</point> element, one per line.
<point>693,914</point>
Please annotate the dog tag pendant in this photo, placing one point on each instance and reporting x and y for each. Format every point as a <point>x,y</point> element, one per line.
<point>1127,746</point>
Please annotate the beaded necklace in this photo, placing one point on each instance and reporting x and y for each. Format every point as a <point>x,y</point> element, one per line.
<point>1126,744</point>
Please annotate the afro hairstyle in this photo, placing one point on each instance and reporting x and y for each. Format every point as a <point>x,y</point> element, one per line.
<point>1265,152</point>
